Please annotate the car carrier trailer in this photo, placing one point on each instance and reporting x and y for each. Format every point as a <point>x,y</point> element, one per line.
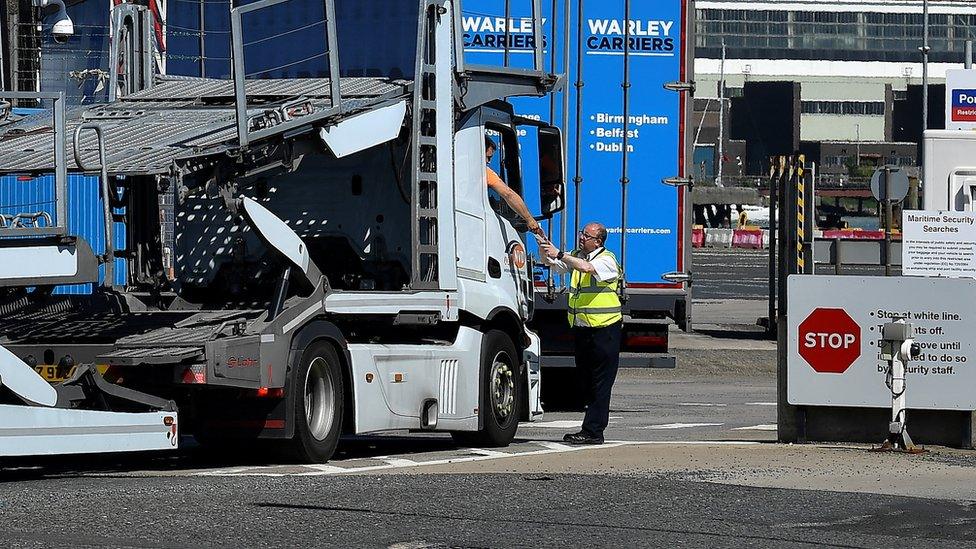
<point>337,264</point>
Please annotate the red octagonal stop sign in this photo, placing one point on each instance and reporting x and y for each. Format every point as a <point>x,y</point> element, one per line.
<point>830,340</point>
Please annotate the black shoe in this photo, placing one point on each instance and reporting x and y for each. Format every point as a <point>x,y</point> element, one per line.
<point>583,438</point>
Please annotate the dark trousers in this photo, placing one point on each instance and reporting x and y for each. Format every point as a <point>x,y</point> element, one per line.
<point>597,359</point>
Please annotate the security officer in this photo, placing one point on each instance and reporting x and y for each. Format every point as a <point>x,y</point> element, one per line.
<point>595,318</point>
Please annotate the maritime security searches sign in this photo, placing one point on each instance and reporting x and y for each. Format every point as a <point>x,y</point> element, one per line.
<point>939,243</point>
<point>960,99</point>
<point>834,324</point>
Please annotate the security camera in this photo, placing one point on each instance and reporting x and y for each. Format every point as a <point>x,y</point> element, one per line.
<point>61,25</point>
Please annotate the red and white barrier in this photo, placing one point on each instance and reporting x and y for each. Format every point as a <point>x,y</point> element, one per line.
<point>748,238</point>
<point>718,238</point>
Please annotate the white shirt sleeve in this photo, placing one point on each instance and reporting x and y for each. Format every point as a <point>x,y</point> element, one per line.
<point>605,267</point>
<point>556,265</point>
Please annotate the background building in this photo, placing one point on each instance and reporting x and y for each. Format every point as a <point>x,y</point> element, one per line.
<point>855,62</point>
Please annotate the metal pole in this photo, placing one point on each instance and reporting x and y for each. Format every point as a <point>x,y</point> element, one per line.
<point>925,65</point>
<point>508,25</point>
<point>564,237</point>
<point>968,62</point>
<point>550,286</point>
<point>721,118</point>
<point>624,180</point>
<point>537,54</point>
<point>775,172</point>
<point>3,56</point>
<point>578,178</point>
<point>810,218</point>
<point>203,42</point>
<point>887,225</point>
<point>857,133</point>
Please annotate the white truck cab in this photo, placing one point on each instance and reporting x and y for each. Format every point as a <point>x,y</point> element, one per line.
<point>338,265</point>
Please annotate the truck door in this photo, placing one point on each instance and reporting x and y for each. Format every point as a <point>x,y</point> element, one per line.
<point>469,181</point>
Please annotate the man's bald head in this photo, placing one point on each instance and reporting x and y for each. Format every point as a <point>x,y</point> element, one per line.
<point>597,230</point>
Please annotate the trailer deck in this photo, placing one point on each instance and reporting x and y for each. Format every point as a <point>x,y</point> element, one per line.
<point>181,118</point>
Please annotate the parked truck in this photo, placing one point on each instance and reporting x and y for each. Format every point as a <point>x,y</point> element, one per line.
<point>626,114</point>
<point>337,264</point>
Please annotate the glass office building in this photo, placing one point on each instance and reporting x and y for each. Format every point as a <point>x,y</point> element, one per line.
<point>853,58</point>
<point>851,33</point>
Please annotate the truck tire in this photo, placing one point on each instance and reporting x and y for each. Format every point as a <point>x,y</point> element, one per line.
<point>501,398</point>
<point>318,401</point>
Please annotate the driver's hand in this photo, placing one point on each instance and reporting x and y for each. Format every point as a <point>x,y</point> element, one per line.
<point>548,249</point>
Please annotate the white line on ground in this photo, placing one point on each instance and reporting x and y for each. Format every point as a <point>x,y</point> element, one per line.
<point>761,427</point>
<point>554,445</point>
<point>558,424</point>
<point>320,470</point>
<point>681,425</point>
<point>399,462</point>
<point>489,453</point>
<point>760,404</point>
<point>706,404</point>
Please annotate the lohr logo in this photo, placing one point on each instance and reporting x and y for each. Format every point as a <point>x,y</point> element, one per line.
<point>963,105</point>
<point>241,362</point>
<point>516,254</point>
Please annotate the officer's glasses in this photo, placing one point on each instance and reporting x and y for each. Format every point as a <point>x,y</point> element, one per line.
<point>585,236</point>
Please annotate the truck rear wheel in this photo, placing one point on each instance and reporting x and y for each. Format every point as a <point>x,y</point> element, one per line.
<point>501,399</point>
<point>318,400</point>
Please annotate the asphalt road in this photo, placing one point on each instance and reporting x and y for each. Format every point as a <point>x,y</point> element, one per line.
<point>509,510</point>
<point>689,462</point>
<point>738,273</point>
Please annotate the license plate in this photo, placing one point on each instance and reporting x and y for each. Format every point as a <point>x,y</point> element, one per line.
<point>53,374</point>
<point>57,374</point>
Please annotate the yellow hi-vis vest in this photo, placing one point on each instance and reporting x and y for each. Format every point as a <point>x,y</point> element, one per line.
<point>592,303</point>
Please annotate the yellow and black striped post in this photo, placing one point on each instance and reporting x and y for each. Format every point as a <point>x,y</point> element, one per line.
<point>798,162</point>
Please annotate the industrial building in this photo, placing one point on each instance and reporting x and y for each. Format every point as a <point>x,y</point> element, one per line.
<point>854,63</point>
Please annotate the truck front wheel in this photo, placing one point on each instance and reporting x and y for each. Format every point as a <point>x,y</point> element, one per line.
<point>318,401</point>
<point>501,397</point>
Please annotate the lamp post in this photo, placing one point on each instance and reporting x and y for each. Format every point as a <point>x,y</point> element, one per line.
<point>925,65</point>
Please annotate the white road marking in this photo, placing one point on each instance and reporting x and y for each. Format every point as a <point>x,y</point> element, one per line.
<point>681,425</point>
<point>399,462</point>
<point>762,427</point>
<point>320,470</point>
<point>760,404</point>
<point>321,467</point>
<point>559,424</point>
<point>705,404</point>
<point>490,453</point>
<point>554,445</point>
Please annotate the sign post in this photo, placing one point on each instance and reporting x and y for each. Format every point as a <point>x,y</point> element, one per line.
<point>939,243</point>
<point>835,325</point>
<point>960,99</point>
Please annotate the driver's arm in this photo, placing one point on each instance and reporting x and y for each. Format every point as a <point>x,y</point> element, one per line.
<point>511,198</point>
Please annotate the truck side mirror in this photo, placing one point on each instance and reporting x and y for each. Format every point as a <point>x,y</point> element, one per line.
<point>552,177</point>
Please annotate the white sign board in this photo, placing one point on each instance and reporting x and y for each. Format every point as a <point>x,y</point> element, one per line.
<point>938,243</point>
<point>835,325</point>
<point>960,99</point>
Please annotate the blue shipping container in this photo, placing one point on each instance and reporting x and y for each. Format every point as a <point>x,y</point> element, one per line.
<point>29,195</point>
<point>656,222</point>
